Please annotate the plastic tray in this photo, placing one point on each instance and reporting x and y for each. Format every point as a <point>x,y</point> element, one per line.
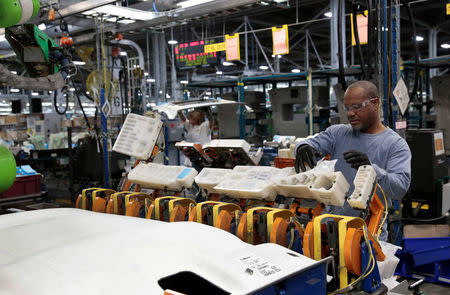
<point>24,185</point>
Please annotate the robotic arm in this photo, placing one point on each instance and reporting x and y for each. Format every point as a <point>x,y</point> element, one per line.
<point>45,63</point>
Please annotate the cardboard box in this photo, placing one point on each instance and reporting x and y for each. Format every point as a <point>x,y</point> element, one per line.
<point>77,122</point>
<point>16,135</point>
<point>3,134</point>
<point>426,230</point>
<point>2,120</point>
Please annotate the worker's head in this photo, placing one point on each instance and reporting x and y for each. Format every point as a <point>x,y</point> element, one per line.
<point>196,117</point>
<point>362,103</point>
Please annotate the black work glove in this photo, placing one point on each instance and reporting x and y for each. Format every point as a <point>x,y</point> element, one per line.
<point>305,154</point>
<point>356,159</point>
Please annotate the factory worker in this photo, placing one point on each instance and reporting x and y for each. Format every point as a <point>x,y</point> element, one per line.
<point>197,129</point>
<point>365,141</point>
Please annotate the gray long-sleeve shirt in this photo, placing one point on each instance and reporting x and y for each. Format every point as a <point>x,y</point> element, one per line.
<point>387,151</point>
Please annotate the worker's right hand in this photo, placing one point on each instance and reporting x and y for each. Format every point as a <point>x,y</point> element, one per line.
<point>305,155</point>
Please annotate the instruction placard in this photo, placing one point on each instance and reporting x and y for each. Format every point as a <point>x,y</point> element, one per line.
<point>280,38</point>
<point>401,95</point>
<point>232,44</point>
<point>439,143</point>
<point>259,265</point>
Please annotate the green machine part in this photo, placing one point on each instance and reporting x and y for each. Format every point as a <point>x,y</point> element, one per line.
<point>7,169</point>
<point>33,47</point>
<point>13,12</point>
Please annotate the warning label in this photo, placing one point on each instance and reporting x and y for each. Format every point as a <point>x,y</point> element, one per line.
<point>257,264</point>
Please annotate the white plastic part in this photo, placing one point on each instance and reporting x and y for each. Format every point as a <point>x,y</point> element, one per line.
<point>296,186</point>
<point>330,188</point>
<point>100,251</point>
<point>138,136</point>
<point>364,183</point>
<point>157,176</point>
<point>228,143</point>
<point>208,178</point>
<point>249,182</point>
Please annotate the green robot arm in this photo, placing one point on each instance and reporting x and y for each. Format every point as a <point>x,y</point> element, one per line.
<point>13,12</point>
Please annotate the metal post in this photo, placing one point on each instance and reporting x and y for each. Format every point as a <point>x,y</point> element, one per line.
<point>385,66</point>
<point>334,5</point>
<point>156,67</point>
<point>276,63</point>
<point>173,70</point>
<point>432,48</point>
<point>395,12</point>
<point>241,98</point>
<point>147,43</point>
<point>163,64</point>
<point>307,50</point>
<point>310,103</point>
<point>246,43</point>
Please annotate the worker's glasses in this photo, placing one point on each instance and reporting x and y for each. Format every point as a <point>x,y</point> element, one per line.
<point>358,107</point>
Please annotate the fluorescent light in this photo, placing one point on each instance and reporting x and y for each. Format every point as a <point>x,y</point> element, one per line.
<point>14,72</point>
<point>42,27</point>
<point>190,3</point>
<point>123,53</point>
<point>279,56</point>
<point>172,42</point>
<point>328,14</point>
<point>445,46</point>
<point>167,95</point>
<point>34,93</point>
<point>263,68</point>
<point>219,73</point>
<point>419,38</point>
<point>14,90</point>
<point>151,80</point>
<point>126,21</point>
<point>145,74</point>
<point>264,3</point>
<point>245,87</point>
<point>121,11</point>
<point>207,93</point>
<point>227,63</point>
<point>273,55</point>
<point>50,92</point>
<point>79,63</point>
<point>72,89</point>
<point>2,38</point>
<point>295,71</point>
<point>184,82</point>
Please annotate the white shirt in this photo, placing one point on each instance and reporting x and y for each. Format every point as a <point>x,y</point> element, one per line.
<point>199,133</point>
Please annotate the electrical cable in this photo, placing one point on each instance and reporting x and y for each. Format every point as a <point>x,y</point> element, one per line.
<point>340,49</point>
<point>413,95</point>
<point>385,212</point>
<point>369,38</point>
<point>82,109</point>
<point>425,220</point>
<point>369,268</point>
<point>358,44</point>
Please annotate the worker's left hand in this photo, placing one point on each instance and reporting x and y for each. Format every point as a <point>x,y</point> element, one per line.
<point>356,159</point>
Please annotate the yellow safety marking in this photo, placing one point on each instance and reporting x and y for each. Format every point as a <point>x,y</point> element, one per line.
<point>424,206</point>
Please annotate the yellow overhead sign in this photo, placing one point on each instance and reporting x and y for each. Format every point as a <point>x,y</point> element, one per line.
<point>280,38</point>
<point>215,47</point>
<point>232,47</point>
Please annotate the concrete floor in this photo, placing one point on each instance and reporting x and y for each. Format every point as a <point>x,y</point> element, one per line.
<point>433,289</point>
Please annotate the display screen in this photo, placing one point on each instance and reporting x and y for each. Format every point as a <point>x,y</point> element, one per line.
<point>192,54</point>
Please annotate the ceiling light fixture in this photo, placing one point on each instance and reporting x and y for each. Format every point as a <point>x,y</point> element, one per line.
<point>34,93</point>
<point>295,71</point>
<point>328,14</point>
<point>228,63</point>
<point>419,38</point>
<point>219,73</point>
<point>122,11</point>
<point>14,90</point>
<point>445,46</point>
<point>79,63</point>
<point>172,42</point>
<point>184,82</point>
<point>263,68</point>
<point>151,80</point>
